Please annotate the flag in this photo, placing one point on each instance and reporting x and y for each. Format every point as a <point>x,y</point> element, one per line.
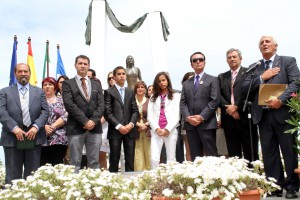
<point>60,69</point>
<point>46,61</point>
<point>30,62</point>
<point>12,78</point>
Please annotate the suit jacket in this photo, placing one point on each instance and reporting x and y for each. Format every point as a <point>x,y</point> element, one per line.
<point>204,101</point>
<point>11,113</point>
<point>79,109</point>
<point>117,112</point>
<point>172,112</point>
<point>225,92</point>
<point>289,73</point>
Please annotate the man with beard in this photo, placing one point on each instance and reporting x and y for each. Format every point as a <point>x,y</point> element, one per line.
<point>23,114</point>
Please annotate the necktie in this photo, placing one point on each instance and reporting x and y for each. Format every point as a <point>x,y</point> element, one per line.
<point>196,82</point>
<point>267,64</point>
<point>233,77</point>
<point>83,84</point>
<point>122,94</point>
<point>162,122</point>
<point>24,106</point>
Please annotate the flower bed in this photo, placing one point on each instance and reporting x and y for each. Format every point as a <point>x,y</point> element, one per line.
<point>205,179</point>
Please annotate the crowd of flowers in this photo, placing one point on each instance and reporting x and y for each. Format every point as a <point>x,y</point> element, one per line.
<point>205,178</point>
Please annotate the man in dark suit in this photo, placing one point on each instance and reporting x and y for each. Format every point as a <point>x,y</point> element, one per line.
<point>271,119</point>
<point>200,98</point>
<point>23,115</point>
<point>83,99</point>
<point>234,121</point>
<point>121,113</point>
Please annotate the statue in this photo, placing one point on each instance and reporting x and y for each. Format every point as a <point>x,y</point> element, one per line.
<point>133,74</point>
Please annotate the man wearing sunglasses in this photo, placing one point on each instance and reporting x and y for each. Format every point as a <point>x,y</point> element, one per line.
<point>200,98</point>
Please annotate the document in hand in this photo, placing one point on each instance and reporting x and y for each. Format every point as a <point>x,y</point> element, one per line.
<point>269,91</point>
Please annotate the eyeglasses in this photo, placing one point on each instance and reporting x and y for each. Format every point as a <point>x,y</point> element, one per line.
<point>110,78</point>
<point>198,59</point>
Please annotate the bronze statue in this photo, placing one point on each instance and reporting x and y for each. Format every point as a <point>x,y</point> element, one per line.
<point>133,73</point>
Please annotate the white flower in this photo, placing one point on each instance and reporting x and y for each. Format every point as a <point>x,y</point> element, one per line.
<point>167,192</point>
<point>76,193</point>
<point>190,190</point>
<point>17,195</point>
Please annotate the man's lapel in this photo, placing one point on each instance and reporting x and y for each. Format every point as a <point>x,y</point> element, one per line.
<point>126,95</point>
<point>227,79</point>
<point>15,93</point>
<point>276,63</point>
<point>239,75</point>
<point>32,92</point>
<point>117,95</point>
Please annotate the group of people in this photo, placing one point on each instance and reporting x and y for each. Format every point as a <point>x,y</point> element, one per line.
<point>73,113</point>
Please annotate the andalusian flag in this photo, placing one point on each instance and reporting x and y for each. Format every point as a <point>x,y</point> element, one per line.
<point>46,61</point>
<point>30,62</point>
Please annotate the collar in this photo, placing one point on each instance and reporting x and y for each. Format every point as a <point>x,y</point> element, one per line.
<point>118,87</point>
<point>20,86</point>
<point>272,59</point>
<point>200,75</point>
<point>79,77</point>
<point>140,102</point>
<point>237,70</point>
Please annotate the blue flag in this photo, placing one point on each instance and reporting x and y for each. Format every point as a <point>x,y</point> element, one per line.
<point>60,69</point>
<point>12,78</point>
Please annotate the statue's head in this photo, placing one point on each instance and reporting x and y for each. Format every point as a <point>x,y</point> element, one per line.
<point>129,61</point>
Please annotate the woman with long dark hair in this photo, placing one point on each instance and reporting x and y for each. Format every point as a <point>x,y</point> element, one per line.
<point>163,117</point>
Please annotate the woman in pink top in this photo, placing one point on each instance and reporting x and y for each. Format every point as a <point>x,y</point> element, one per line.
<point>163,117</point>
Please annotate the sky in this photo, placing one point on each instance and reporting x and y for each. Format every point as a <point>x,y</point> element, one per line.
<point>211,27</point>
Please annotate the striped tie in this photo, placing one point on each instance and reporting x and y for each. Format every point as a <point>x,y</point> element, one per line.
<point>25,108</point>
<point>84,87</point>
<point>122,94</point>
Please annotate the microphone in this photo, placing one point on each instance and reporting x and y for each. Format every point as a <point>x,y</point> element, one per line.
<point>258,63</point>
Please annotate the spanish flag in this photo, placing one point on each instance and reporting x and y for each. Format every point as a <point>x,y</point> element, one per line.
<point>30,62</point>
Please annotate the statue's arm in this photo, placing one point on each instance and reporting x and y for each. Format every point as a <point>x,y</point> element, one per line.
<point>139,74</point>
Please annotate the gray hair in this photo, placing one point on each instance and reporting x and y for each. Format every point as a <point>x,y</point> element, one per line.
<point>269,36</point>
<point>233,49</point>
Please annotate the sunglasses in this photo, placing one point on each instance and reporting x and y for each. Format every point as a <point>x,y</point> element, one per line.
<point>110,78</point>
<point>198,59</point>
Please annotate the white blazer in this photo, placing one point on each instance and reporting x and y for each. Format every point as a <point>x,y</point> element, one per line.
<point>172,113</point>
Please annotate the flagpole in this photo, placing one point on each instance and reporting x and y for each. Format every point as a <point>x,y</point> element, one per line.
<point>47,60</point>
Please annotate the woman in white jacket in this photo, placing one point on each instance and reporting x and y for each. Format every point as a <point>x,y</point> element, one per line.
<point>163,117</point>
